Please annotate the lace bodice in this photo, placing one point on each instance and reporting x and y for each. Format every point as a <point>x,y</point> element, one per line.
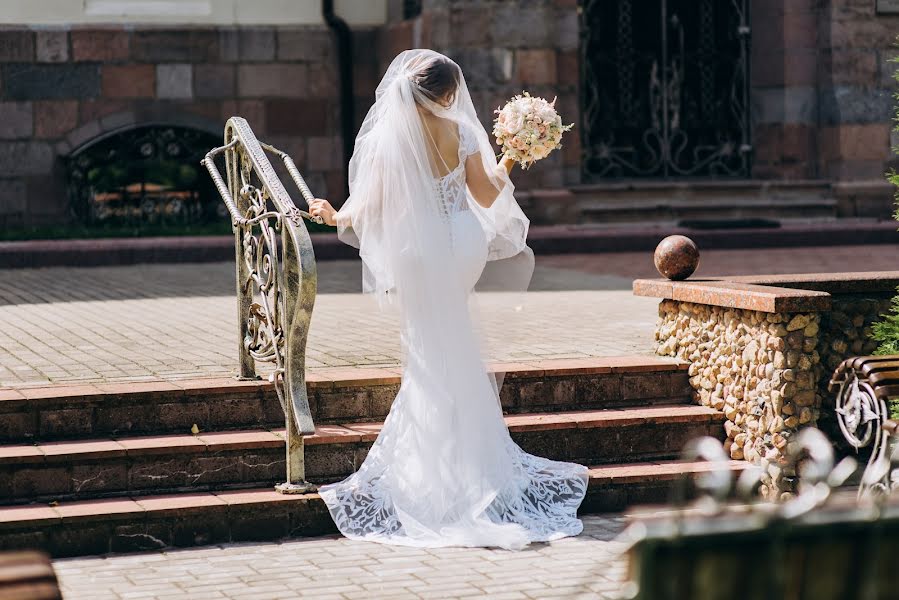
<point>451,191</point>
<point>451,187</point>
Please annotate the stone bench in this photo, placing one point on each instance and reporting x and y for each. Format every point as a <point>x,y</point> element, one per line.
<point>27,575</point>
<point>761,349</point>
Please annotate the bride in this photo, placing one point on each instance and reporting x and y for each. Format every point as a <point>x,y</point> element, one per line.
<point>428,208</point>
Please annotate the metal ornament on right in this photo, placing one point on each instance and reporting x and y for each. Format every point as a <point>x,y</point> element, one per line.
<point>677,257</point>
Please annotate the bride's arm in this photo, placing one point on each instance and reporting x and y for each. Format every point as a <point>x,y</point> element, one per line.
<point>479,183</point>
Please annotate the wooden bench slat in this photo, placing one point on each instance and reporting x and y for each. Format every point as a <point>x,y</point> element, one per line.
<point>25,572</point>
<point>859,361</point>
<point>29,591</point>
<point>884,377</point>
<point>23,557</point>
<point>885,392</point>
<point>27,575</point>
<point>874,367</point>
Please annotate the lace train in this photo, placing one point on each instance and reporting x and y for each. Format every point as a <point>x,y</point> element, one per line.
<point>428,491</point>
<point>538,505</point>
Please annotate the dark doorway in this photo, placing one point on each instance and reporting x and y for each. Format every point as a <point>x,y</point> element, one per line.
<point>664,88</point>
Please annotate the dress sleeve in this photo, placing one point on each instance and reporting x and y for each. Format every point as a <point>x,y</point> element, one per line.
<point>468,143</point>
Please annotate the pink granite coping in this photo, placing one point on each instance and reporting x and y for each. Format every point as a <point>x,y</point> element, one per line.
<point>857,282</point>
<point>733,294</point>
<point>802,292</point>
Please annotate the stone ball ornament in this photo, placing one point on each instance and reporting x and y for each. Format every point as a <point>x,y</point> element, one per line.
<point>677,257</point>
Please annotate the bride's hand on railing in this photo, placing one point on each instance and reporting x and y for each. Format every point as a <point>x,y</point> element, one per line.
<point>322,208</point>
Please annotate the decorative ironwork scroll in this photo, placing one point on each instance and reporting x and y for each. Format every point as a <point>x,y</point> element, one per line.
<point>665,88</point>
<point>276,278</point>
<point>861,415</point>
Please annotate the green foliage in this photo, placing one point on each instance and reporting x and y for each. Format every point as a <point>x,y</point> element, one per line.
<point>886,331</point>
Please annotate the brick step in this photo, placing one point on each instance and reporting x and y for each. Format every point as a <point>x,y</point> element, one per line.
<point>141,523</point>
<point>335,396</point>
<point>223,459</point>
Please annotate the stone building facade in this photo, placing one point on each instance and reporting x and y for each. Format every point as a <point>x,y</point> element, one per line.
<point>819,84</point>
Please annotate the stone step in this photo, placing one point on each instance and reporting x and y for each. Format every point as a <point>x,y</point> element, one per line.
<point>335,396</point>
<point>141,523</point>
<point>225,459</point>
<point>673,201</point>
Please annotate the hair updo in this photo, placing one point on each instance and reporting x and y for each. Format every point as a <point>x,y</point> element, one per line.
<point>438,79</point>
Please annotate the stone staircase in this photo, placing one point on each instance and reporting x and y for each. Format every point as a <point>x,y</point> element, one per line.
<point>683,202</point>
<point>91,469</point>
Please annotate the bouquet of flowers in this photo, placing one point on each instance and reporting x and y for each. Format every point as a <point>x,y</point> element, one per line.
<point>528,128</point>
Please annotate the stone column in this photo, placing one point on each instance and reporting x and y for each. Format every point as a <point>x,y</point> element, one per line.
<point>784,66</point>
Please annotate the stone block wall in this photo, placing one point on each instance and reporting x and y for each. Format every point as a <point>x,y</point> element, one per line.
<point>63,87</point>
<point>822,90</point>
<point>856,88</point>
<point>505,47</point>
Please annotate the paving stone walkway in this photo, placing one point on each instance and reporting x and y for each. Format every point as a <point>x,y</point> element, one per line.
<point>149,322</point>
<point>335,568</point>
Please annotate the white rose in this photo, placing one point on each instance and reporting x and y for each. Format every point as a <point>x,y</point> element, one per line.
<point>514,123</point>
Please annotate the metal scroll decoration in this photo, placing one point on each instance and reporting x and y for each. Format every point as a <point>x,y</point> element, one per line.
<point>665,88</point>
<point>861,415</point>
<point>276,277</point>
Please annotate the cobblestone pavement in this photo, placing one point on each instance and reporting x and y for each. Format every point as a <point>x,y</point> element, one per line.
<point>325,568</point>
<point>143,322</point>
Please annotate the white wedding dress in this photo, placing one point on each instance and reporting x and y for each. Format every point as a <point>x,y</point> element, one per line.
<point>444,470</point>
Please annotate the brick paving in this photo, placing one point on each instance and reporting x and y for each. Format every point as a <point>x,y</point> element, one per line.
<point>150,322</point>
<point>159,321</point>
<point>762,261</point>
<point>333,567</point>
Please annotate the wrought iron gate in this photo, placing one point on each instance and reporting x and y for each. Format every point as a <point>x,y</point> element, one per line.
<point>665,88</point>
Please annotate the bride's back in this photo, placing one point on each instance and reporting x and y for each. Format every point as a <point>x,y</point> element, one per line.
<point>442,139</point>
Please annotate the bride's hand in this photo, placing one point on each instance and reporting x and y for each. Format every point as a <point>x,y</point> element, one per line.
<point>322,208</point>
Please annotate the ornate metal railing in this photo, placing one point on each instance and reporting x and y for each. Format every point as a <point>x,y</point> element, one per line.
<point>276,278</point>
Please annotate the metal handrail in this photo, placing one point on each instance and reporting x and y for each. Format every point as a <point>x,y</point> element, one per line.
<point>276,278</point>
